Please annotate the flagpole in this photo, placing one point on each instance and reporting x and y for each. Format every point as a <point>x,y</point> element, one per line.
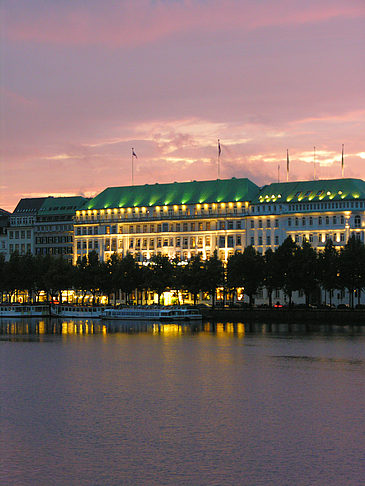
<point>314,163</point>
<point>342,161</point>
<point>132,167</point>
<point>287,165</point>
<point>278,172</point>
<point>219,159</point>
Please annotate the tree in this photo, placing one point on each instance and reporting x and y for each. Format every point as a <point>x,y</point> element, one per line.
<point>160,274</point>
<point>194,275</point>
<point>307,270</point>
<point>329,268</point>
<point>271,273</point>
<point>287,265</point>
<point>352,267</point>
<point>128,275</point>
<point>213,275</point>
<point>246,270</point>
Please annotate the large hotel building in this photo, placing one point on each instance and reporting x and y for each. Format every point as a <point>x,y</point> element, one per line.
<point>187,218</point>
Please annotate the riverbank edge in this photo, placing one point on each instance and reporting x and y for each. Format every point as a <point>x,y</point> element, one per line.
<point>333,316</point>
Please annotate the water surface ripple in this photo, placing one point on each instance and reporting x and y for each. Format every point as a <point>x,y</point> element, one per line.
<point>85,403</point>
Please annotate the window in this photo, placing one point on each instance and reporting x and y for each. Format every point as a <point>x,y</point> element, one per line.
<point>289,221</point>
<point>327,220</point>
<point>268,240</point>
<point>230,242</point>
<point>260,223</point>
<point>96,244</point>
<point>296,238</point>
<point>177,227</point>
<point>342,236</point>
<point>238,224</point>
<point>178,243</point>
<point>192,226</point>
<point>303,221</point>
<point>276,240</point>
<point>208,226</point>
<point>238,240</point>
<point>252,241</point>
<point>357,221</point>
<point>310,238</point>
<point>230,225</point>
<point>252,223</point>
<point>310,221</point>
<point>260,240</point>
<point>268,223</point>
<point>296,221</point>
<point>342,220</point>
<point>185,226</point>
<point>165,227</point>
<point>276,223</point>
<point>222,242</point>
<point>320,220</point>
<point>207,241</point>
<point>334,219</point>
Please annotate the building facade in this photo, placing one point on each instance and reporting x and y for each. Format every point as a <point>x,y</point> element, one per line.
<point>4,225</point>
<point>22,223</point>
<point>54,226</point>
<point>183,219</point>
<point>179,219</point>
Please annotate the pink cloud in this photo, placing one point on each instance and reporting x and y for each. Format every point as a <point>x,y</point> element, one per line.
<point>139,22</point>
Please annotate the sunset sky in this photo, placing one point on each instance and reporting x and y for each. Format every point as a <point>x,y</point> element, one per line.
<point>82,82</point>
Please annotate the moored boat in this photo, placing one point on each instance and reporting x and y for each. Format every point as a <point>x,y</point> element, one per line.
<point>152,313</point>
<point>68,310</point>
<point>25,310</point>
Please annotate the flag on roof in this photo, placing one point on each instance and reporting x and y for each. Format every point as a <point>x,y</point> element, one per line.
<point>134,153</point>
<point>219,148</point>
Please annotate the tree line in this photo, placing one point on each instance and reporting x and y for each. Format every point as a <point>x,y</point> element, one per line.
<point>291,267</point>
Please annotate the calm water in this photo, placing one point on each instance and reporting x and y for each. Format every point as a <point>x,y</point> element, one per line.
<point>86,404</point>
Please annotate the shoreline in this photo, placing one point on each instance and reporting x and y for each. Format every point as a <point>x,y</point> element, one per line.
<point>331,316</point>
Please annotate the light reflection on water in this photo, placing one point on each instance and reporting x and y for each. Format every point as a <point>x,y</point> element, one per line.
<point>121,403</point>
<point>37,327</point>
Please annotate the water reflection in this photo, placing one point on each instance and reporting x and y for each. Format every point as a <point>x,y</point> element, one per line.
<point>22,327</point>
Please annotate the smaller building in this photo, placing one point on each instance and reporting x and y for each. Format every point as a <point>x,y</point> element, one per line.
<point>4,224</point>
<point>54,226</point>
<point>22,223</point>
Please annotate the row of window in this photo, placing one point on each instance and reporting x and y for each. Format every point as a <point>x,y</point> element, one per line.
<point>111,244</point>
<point>22,248</point>
<point>44,240</point>
<point>54,227</point>
<point>20,234</point>
<point>61,250</point>
<point>269,208</point>
<point>22,221</point>
<point>322,220</point>
<point>268,223</point>
<point>157,228</point>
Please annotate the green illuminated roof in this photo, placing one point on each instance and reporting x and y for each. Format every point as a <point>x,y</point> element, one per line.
<point>227,190</point>
<point>61,205</point>
<point>306,191</point>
